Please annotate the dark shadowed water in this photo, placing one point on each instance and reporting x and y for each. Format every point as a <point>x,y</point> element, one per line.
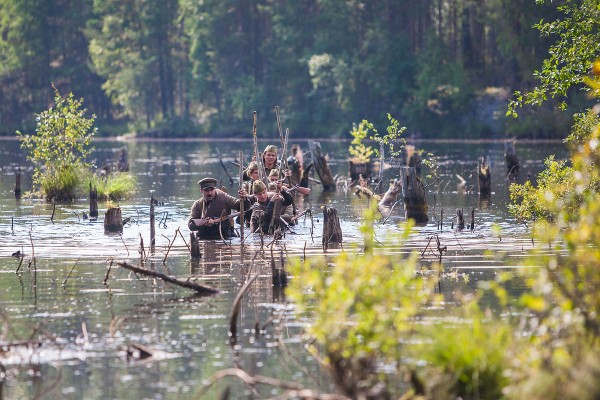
<point>58,297</point>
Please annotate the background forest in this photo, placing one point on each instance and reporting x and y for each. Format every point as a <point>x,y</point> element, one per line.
<point>192,67</point>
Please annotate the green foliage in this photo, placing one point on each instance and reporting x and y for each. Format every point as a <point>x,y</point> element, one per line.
<point>361,307</point>
<point>358,150</point>
<point>570,57</point>
<point>467,360</point>
<point>60,146</point>
<point>117,186</point>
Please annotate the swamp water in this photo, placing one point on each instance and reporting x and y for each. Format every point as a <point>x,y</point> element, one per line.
<point>85,326</point>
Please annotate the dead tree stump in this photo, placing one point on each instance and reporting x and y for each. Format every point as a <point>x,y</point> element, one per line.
<point>194,246</point>
<point>485,176</point>
<point>93,202</point>
<point>412,158</point>
<point>413,193</point>
<point>18,184</point>
<point>123,163</point>
<point>460,219</point>
<point>321,167</point>
<point>512,161</point>
<point>358,169</point>
<point>113,221</point>
<point>152,221</point>
<point>332,231</point>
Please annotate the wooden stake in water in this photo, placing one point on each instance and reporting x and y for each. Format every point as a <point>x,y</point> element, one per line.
<point>152,228</point>
<point>93,202</point>
<point>18,184</point>
<point>242,214</point>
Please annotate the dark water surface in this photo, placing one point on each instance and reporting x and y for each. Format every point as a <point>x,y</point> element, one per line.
<point>58,297</point>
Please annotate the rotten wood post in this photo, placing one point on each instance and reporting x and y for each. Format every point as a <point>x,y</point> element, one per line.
<point>389,198</point>
<point>113,221</point>
<point>413,194</point>
<point>93,202</point>
<point>412,158</point>
<point>512,161</point>
<point>152,220</point>
<point>123,163</point>
<point>321,167</point>
<point>194,246</point>
<point>485,177</point>
<point>18,184</point>
<point>460,219</point>
<point>472,219</point>
<point>332,231</point>
<point>358,169</point>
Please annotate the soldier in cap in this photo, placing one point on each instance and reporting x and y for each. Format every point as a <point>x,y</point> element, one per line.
<point>270,159</point>
<point>206,212</point>
<point>263,213</point>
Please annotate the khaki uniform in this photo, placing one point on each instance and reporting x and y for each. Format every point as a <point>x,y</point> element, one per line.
<point>213,209</point>
<point>262,214</point>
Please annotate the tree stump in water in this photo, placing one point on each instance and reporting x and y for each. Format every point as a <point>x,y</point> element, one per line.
<point>18,184</point>
<point>123,164</point>
<point>113,221</point>
<point>460,219</point>
<point>358,168</point>
<point>194,246</point>
<point>413,193</point>
<point>332,231</point>
<point>512,161</point>
<point>485,176</point>
<point>321,167</point>
<point>93,202</point>
<point>412,158</point>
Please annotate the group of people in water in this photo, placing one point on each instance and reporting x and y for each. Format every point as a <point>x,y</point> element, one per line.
<point>268,203</point>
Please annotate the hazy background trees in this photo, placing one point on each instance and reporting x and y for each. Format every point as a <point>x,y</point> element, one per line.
<point>189,67</point>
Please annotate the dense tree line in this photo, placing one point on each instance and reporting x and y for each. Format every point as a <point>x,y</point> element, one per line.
<point>181,67</point>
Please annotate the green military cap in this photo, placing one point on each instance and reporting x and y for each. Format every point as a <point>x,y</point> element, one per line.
<point>207,183</point>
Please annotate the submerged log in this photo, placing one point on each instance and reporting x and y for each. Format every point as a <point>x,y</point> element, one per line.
<point>332,231</point>
<point>186,284</point>
<point>390,197</point>
<point>512,161</point>
<point>113,221</point>
<point>361,190</point>
<point>413,194</point>
<point>485,176</point>
<point>93,202</point>
<point>321,167</point>
<point>18,184</point>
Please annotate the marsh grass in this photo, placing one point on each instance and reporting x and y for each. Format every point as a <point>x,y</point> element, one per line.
<point>116,186</point>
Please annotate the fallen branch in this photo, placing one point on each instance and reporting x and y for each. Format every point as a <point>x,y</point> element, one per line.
<point>186,284</point>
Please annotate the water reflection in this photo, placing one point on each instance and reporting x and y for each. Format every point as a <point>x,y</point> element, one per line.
<point>194,329</point>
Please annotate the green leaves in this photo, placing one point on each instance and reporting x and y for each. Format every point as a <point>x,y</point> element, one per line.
<point>60,146</point>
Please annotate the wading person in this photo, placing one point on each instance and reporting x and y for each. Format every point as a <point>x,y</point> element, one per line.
<point>205,217</point>
<point>263,213</point>
<point>270,159</point>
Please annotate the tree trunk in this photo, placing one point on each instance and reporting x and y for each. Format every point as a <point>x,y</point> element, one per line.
<point>321,166</point>
<point>332,231</point>
<point>413,193</point>
<point>112,220</point>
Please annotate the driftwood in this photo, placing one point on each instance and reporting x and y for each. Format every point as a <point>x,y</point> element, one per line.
<point>512,161</point>
<point>361,190</point>
<point>186,284</point>
<point>389,198</point>
<point>152,220</point>
<point>295,163</point>
<point>304,177</point>
<point>413,194</point>
<point>113,221</point>
<point>235,310</point>
<point>485,176</point>
<point>321,167</point>
<point>18,184</point>
<point>93,202</point>
<point>332,231</point>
